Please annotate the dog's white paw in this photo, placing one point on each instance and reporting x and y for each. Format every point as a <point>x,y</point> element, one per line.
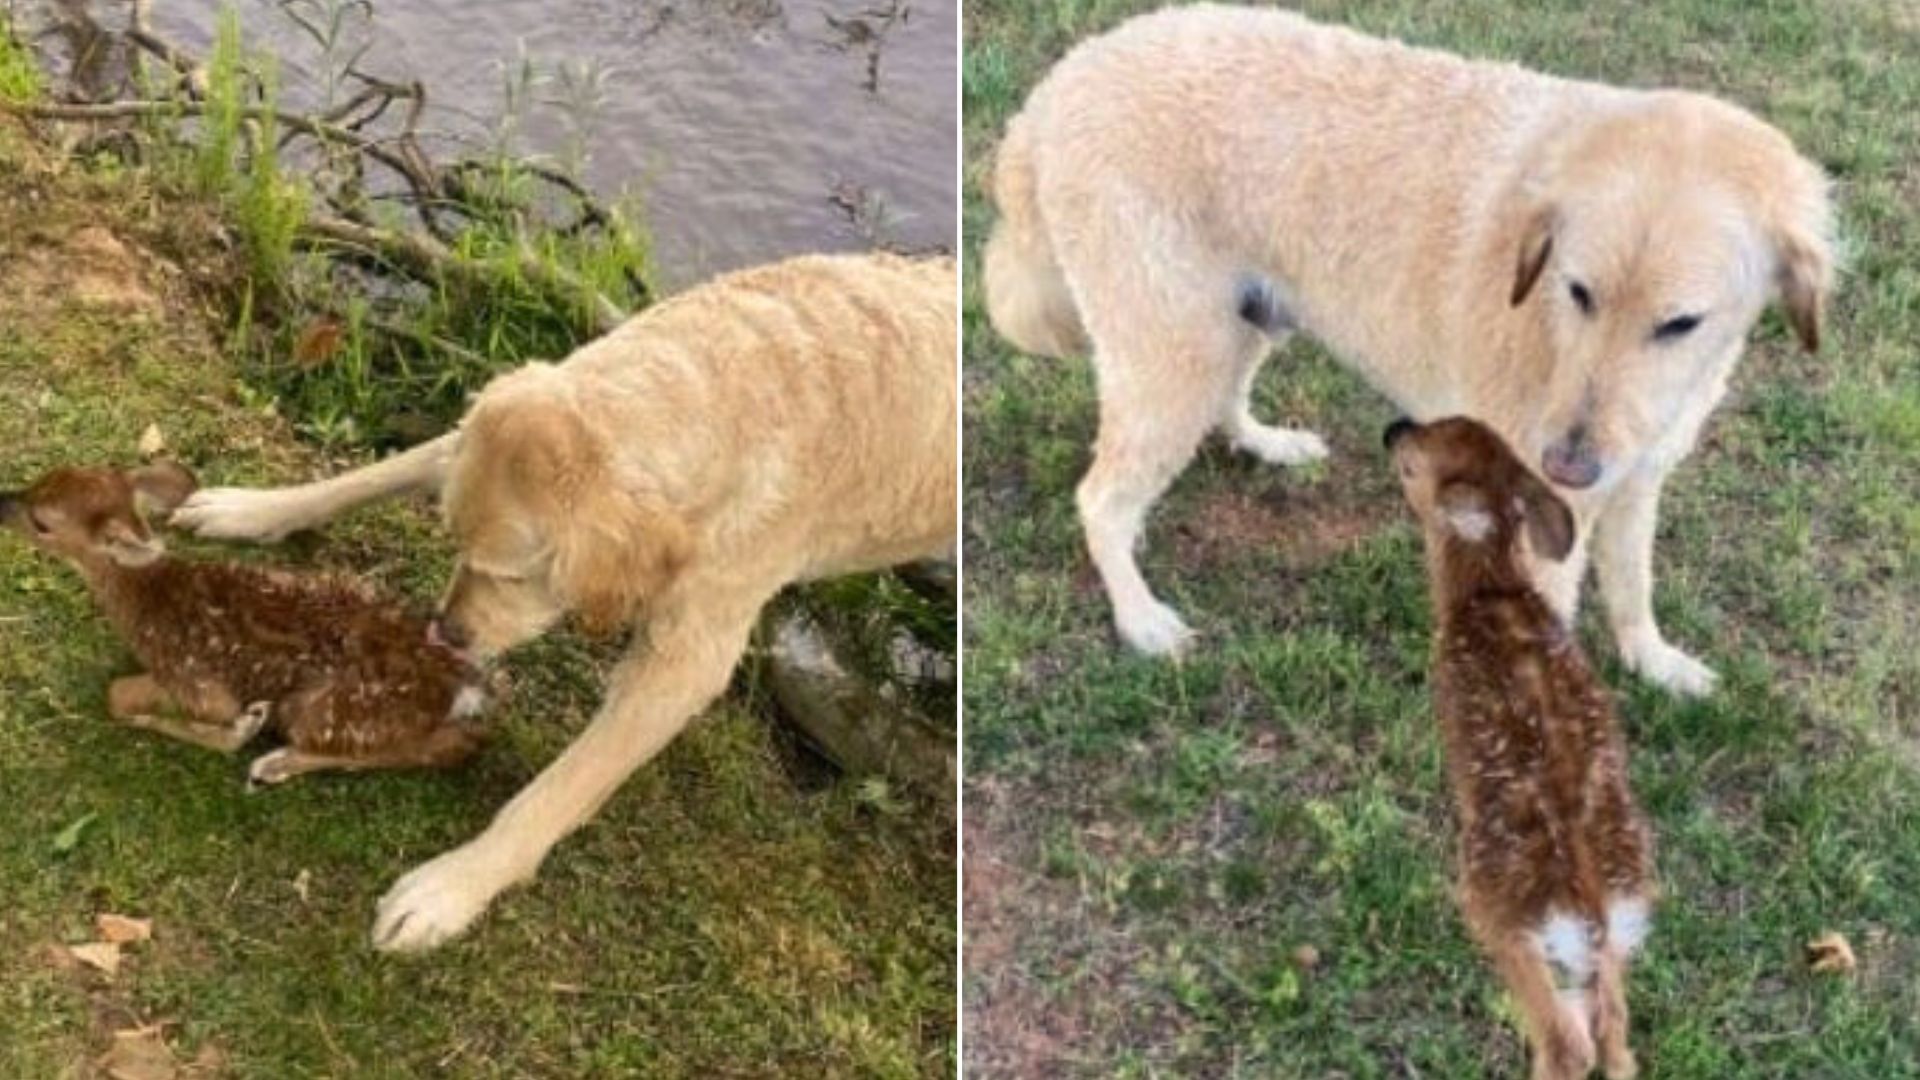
<point>1669,668</point>
<point>237,514</point>
<point>435,902</point>
<point>1154,629</point>
<point>1281,446</point>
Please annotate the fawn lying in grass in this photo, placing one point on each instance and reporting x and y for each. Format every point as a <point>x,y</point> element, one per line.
<point>1555,857</point>
<point>348,680</point>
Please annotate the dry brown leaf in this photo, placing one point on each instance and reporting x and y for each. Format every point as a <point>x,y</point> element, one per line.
<point>139,1054</point>
<point>319,340</point>
<point>152,441</point>
<point>1830,952</point>
<point>1306,958</point>
<point>302,884</point>
<point>99,955</point>
<point>121,929</point>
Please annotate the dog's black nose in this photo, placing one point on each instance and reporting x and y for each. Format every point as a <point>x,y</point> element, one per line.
<point>1395,430</point>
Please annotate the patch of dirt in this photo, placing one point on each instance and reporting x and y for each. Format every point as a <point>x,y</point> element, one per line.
<point>1050,980</point>
<point>1301,531</point>
<point>92,267</point>
<point>1012,1028</point>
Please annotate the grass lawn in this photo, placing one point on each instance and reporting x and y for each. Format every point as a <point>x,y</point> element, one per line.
<point>1151,847</point>
<point>735,911</point>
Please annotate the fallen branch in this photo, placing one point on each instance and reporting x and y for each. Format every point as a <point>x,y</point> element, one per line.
<point>422,257</point>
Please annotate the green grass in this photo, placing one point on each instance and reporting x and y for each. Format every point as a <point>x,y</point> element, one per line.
<point>736,911</point>
<point>1148,844</point>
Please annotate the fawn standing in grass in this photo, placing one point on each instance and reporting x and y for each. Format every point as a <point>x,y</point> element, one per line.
<point>1555,857</point>
<point>350,681</point>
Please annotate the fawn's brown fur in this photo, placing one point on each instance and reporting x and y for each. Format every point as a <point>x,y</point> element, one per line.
<point>1555,857</point>
<point>348,680</point>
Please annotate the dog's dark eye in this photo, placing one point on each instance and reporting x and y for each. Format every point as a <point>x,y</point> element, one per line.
<point>1581,297</point>
<point>1679,326</point>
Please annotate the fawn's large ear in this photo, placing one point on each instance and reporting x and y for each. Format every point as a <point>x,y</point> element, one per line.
<point>1536,246</point>
<point>161,486</point>
<point>128,544</point>
<point>1467,511</point>
<point>1550,525</point>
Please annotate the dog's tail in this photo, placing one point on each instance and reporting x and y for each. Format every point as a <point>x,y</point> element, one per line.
<point>1027,296</point>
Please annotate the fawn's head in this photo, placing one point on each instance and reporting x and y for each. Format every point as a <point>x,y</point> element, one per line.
<point>95,515</point>
<point>1466,486</point>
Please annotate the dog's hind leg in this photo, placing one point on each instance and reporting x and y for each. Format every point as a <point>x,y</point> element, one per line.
<point>1166,352</point>
<point>1270,323</point>
<point>696,633</point>
<point>268,516</point>
<point>1159,395</point>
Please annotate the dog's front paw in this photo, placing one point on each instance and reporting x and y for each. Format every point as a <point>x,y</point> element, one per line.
<point>1154,629</point>
<point>1669,668</point>
<point>1281,446</point>
<point>237,514</point>
<point>435,902</point>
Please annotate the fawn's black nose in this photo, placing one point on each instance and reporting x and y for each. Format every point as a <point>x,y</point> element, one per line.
<point>9,505</point>
<point>442,632</point>
<point>1395,430</point>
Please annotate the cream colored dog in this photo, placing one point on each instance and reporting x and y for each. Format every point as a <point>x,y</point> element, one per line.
<point>1575,264</point>
<point>791,422</point>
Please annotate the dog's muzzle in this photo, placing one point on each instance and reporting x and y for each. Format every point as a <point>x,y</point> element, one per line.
<point>1570,461</point>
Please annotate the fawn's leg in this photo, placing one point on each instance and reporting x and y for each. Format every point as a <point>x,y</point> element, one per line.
<point>1610,1016</point>
<point>139,701</point>
<point>1562,1047</point>
<point>440,748</point>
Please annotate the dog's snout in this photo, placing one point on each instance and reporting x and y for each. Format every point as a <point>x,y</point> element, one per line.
<point>1396,431</point>
<point>1571,461</point>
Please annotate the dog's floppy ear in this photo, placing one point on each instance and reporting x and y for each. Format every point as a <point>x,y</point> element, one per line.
<point>1798,215</point>
<point>1536,246</point>
<point>1550,525</point>
<point>1806,276</point>
<point>613,550</point>
<point>1467,511</point>
<point>161,486</point>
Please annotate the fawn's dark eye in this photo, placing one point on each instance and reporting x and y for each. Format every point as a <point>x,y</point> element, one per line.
<point>1582,297</point>
<point>1677,327</point>
<point>39,526</point>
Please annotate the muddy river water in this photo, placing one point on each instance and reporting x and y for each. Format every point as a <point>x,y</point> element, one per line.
<point>746,129</point>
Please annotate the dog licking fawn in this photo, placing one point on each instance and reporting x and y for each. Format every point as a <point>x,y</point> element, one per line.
<point>1555,857</point>
<point>348,680</point>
